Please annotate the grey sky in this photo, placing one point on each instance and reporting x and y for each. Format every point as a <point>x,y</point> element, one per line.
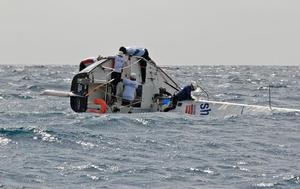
<point>176,32</point>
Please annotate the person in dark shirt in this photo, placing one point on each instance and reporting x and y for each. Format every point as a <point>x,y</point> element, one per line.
<point>184,94</point>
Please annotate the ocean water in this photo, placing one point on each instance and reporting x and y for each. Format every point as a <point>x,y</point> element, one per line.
<point>44,144</point>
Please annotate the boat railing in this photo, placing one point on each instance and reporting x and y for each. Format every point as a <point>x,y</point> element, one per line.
<point>108,75</point>
<point>174,85</point>
<point>168,80</point>
<point>131,64</point>
<point>205,92</point>
<point>112,69</point>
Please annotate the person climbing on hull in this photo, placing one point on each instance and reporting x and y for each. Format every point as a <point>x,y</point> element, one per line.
<point>141,52</point>
<point>118,65</point>
<point>184,94</point>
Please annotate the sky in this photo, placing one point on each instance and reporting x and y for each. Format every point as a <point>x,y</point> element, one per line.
<point>176,32</point>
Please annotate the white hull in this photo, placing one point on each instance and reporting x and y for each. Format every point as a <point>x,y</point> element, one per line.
<point>223,109</point>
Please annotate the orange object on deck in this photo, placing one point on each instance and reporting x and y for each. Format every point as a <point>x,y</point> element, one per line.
<point>102,104</point>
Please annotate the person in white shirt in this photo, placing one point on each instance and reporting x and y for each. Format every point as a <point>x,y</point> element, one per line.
<point>119,62</point>
<point>138,51</point>
<point>130,86</point>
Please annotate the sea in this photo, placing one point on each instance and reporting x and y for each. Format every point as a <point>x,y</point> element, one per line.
<point>44,144</point>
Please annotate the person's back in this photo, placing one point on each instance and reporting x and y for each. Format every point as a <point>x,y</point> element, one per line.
<point>185,93</point>
<point>117,71</point>
<point>119,63</point>
<point>130,86</point>
<point>135,51</point>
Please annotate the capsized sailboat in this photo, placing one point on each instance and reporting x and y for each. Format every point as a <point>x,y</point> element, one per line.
<point>91,88</point>
<point>91,91</point>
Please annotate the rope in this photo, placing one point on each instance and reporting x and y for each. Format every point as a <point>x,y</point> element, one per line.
<point>94,89</point>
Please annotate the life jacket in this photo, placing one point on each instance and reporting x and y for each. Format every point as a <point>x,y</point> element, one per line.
<point>103,106</point>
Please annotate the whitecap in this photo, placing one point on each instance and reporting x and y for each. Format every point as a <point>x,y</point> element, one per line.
<point>244,169</point>
<point>241,163</point>
<point>208,171</point>
<point>194,169</point>
<point>4,141</point>
<point>92,177</point>
<point>45,136</point>
<point>264,185</point>
<point>86,144</point>
<point>142,121</point>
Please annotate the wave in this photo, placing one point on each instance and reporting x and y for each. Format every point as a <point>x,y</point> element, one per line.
<point>16,132</point>
<point>28,132</point>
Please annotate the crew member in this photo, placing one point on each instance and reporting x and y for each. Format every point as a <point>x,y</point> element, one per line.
<point>138,51</point>
<point>117,71</point>
<point>130,86</point>
<point>184,94</point>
